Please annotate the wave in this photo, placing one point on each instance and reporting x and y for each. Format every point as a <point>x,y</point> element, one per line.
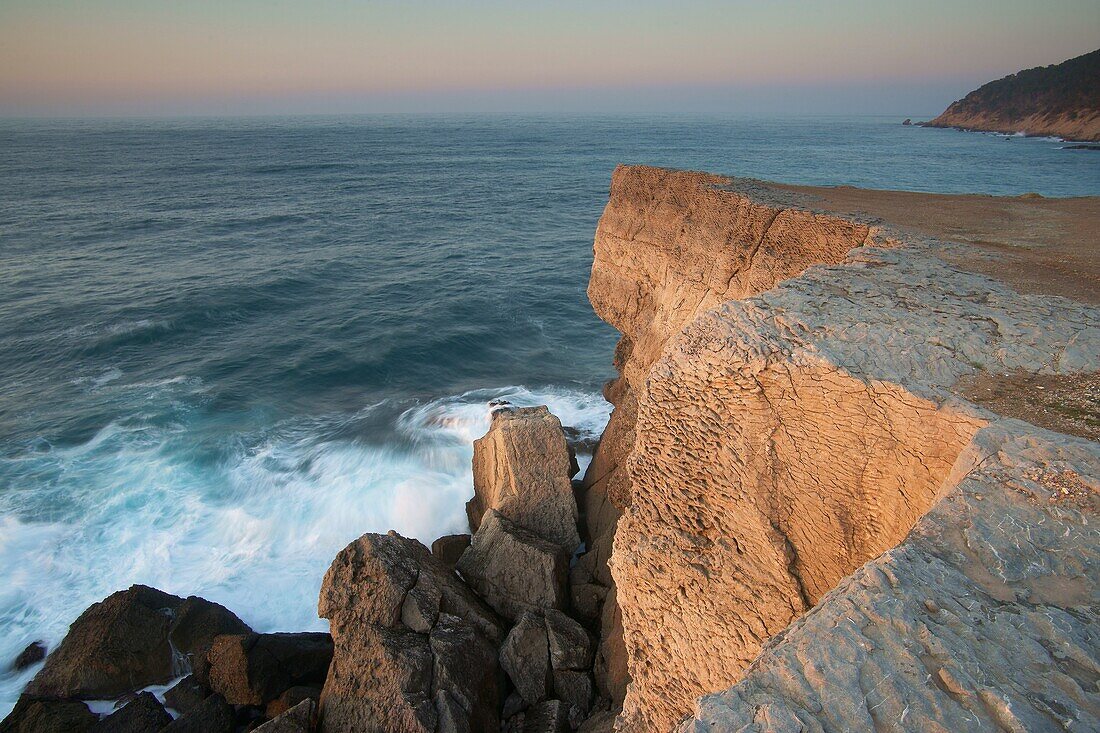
<point>255,528</point>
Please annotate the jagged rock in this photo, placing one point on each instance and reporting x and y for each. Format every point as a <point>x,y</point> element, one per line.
<point>197,621</point>
<point>117,645</point>
<point>574,688</point>
<point>297,719</point>
<point>31,715</point>
<point>513,569</point>
<point>601,722</point>
<point>290,698</point>
<point>570,645</point>
<point>525,657</point>
<point>142,714</point>
<point>522,468</point>
<point>551,716</point>
<point>185,695</point>
<point>253,669</point>
<point>415,649</point>
<point>449,548</point>
<point>513,704</point>
<point>213,715</point>
<point>34,653</point>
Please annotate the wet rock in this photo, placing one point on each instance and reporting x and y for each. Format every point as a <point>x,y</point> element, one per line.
<point>525,657</point>
<point>117,645</point>
<point>513,569</point>
<point>298,719</point>
<point>450,547</point>
<point>33,654</point>
<point>551,716</point>
<point>143,714</point>
<point>185,695</point>
<point>521,469</point>
<point>415,649</point>
<point>198,621</point>
<point>212,715</point>
<point>32,715</point>
<point>253,669</point>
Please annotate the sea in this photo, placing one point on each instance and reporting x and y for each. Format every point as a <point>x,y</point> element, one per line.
<point>228,347</point>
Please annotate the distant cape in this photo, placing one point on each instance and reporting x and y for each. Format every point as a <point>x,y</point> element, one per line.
<point>1062,100</point>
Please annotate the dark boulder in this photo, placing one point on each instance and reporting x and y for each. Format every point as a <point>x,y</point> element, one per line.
<point>254,669</point>
<point>551,716</point>
<point>32,715</point>
<point>525,657</point>
<point>143,714</point>
<point>212,715</point>
<point>449,548</point>
<point>291,698</point>
<point>33,654</point>
<point>117,645</point>
<point>198,621</point>
<point>186,695</point>
<point>298,719</point>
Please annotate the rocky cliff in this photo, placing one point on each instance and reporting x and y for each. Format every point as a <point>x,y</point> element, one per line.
<point>1062,100</point>
<point>791,433</point>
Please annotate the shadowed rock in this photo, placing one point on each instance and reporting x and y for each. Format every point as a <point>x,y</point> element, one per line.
<point>212,715</point>
<point>450,547</point>
<point>513,569</point>
<point>415,649</point>
<point>31,715</point>
<point>143,714</point>
<point>198,621</point>
<point>298,719</point>
<point>117,645</point>
<point>253,669</point>
<point>185,695</point>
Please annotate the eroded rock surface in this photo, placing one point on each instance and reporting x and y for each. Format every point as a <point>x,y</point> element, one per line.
<point>522,468</point>
<point>775,443</point>
<point>415,649</point>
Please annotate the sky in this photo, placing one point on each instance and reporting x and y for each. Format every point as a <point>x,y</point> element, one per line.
<point>765,57</point>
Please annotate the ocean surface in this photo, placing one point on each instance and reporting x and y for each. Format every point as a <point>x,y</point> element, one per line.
<point>229,347</point>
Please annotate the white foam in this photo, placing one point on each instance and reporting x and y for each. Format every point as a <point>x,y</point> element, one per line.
<point>256,532</point>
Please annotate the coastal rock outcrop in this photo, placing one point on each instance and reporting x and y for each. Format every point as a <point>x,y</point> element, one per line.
<point>115,646</point>
<point>777,442</point>
<point>522,468</point>
<point>514,569</point>
<point>254,669</point>
<point>415,649</point>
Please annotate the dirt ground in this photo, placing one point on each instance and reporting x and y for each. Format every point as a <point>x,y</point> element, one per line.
<point>1036,244</point>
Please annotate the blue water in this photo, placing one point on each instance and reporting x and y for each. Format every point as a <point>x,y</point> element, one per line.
<point>228,347</point>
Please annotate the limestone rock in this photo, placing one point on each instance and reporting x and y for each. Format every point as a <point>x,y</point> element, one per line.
<point>513,569</point>
<point>31,715</point>
<point>212,715</point>
<point>297,719</point>
<point>415,649</point>
<point>570,645</point>
<point>143,714</point>
<point>450,547</point>
<point>525,657</point>
<point>253,669</point>
<point>782,440</point>
<point>521,470</point>
<point>117,645</point>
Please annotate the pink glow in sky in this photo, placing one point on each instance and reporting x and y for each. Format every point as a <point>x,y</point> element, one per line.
<point>335,55</point>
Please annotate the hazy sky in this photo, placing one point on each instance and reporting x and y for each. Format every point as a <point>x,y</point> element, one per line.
<point>759,57</point>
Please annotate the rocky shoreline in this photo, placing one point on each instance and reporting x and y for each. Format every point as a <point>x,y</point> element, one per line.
<point>804,514</point>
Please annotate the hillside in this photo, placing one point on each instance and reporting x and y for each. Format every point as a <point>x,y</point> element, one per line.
<point>1061,100</point>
